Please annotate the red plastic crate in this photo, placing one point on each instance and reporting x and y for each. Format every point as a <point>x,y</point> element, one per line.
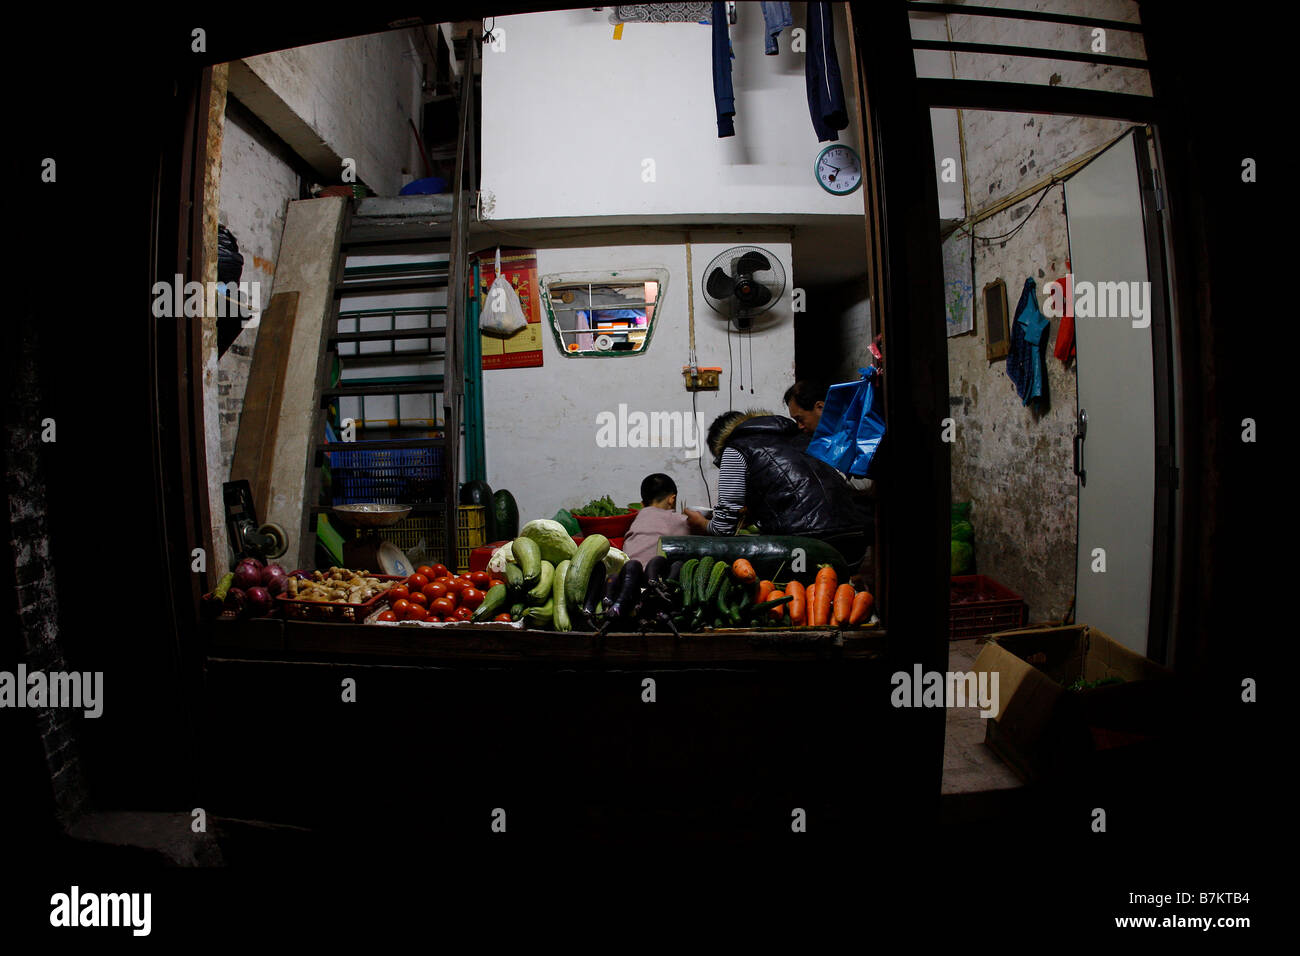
<point>979,606</point>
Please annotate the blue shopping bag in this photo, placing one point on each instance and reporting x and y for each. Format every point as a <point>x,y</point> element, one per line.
<point>851,426</point>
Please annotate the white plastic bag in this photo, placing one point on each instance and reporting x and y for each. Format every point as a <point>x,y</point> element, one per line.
<point>502,313</point>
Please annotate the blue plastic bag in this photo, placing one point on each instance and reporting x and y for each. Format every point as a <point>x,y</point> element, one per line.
<point>851,426</point>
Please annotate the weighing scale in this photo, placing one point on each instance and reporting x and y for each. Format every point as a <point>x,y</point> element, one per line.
<point>370,551</point>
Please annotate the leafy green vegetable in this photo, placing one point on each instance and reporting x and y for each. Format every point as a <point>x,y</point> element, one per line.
<point>1082,684</point>
<point>599,508</point>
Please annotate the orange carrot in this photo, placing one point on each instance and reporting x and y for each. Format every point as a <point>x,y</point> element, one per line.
<point>777,612</point>
<point>821,613</point>
<point>743,571</point>
<point>810,602</point>
<point>843,604</point>
<point>764,591</point>
<point>861,608</point>
<point>798,606</point>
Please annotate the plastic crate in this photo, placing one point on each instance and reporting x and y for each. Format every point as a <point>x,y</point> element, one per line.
<point>432,531</point>
<point>979,606</point>
<point>387,476</point>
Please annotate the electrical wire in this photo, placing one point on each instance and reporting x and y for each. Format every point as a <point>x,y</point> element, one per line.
<point>1007,235</point>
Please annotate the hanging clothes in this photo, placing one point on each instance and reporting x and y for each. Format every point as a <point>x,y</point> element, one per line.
<point>776,17</point>
<point>1065,331</point>
<point>724,99</point>
<point>822,75</point>
<point>1028,334</point>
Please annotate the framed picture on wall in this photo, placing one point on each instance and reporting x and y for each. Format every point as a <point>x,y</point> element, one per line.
<point>998,342</point>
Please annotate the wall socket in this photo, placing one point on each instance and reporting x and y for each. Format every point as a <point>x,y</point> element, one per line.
<point>701,378</point>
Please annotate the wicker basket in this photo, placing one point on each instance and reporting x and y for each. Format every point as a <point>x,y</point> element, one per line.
<point>333,610</point>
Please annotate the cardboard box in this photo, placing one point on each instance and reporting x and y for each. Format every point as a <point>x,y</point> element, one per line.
<point>1044,730</point>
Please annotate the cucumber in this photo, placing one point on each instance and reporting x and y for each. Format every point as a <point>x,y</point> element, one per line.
<point>514,579</point>
<point>702,577</point>
<point>591,553</point>
<point>724,596</point>
<point>715,581</point>
<point>561,612</point>
<point>493,603</point>
<point>767,553</point>
<point>517,611</point>
<point>529,558</point>
<point>542,591</point>
<point>688,581</point>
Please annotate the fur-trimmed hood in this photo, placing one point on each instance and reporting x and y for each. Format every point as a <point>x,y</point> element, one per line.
<point>756,419</point>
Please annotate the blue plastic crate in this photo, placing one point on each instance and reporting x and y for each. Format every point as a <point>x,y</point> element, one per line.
<point>389,476</point>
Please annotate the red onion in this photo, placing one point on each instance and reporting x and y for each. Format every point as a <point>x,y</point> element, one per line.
<point>259,602</point>
<point>274,578</point>
<point>237,601</point>
<point>247,576</point>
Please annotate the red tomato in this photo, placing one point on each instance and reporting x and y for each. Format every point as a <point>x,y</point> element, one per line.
<point>417,581</point>
<point>456,585</point>
<point>387,616</point>
<point>434,618</point>
<point>443,579</point>
<point>463,614</point>
<point>400,607</point>
<point>426,571</point>
<point>434,591</point>
<point>420,598</point>
<point>471,598</point>
<point>443,606</point>
<point>482,580</point>
<point>439,571</point>
<point>505,618</point>
<point>398,591</point>
<point>416,613</point>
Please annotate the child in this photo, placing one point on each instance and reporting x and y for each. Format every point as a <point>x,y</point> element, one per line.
<point>658,517</point>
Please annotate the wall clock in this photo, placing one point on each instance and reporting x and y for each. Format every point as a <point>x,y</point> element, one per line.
<point>838,169</point>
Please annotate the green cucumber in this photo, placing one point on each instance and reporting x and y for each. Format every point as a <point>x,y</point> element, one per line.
<point>561,613</point>
<point>591,553</point>
<point>529,558</point>
<point>542,591</point>
<point>715,581</point>
<point>701,582</point>
<point>492,604</point>
<point>767,553</point>
<point>517,611</point>
<point>687,582</point>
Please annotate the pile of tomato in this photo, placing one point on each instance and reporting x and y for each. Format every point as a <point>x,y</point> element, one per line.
<point>433,593</point>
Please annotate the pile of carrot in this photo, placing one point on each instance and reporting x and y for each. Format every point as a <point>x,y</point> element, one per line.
<point>825,603</point>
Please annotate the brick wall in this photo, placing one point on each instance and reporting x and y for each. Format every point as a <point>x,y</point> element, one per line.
<point>38,643</point>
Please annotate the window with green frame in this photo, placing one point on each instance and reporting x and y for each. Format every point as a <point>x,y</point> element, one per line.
<point>603,313</point>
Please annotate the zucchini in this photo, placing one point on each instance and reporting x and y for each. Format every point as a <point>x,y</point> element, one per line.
<point>591,553</point>
<point>702,577</point>
<point>767,553</point>
<point>688,581</point>
<point>542,591</point>
<point>492,604</point>
<point>561,612</point>
<point>715,581</point>
<point>517,611</point>
<point>514,579</point>
<point>529,558</point>
<point>540,617</point>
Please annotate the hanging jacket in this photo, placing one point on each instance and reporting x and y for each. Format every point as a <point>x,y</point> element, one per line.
<point>776,17</point>
<point>822,75</point>
<point>1028,336</point>
<point>724,99</point>
<point>787,491</point>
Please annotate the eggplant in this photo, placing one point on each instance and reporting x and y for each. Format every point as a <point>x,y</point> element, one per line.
<point>655,569</point>
<point>630,590</point>
<point>675,571</point>
<point>613,587</point>
<point>595,590</point>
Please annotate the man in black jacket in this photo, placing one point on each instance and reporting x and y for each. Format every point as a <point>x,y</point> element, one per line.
<point>764,472</point>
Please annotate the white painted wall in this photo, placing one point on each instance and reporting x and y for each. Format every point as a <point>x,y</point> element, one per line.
<point>936,64</point>
<point>570,114</point>
<point>356,96</point>
<point>542,422</point>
